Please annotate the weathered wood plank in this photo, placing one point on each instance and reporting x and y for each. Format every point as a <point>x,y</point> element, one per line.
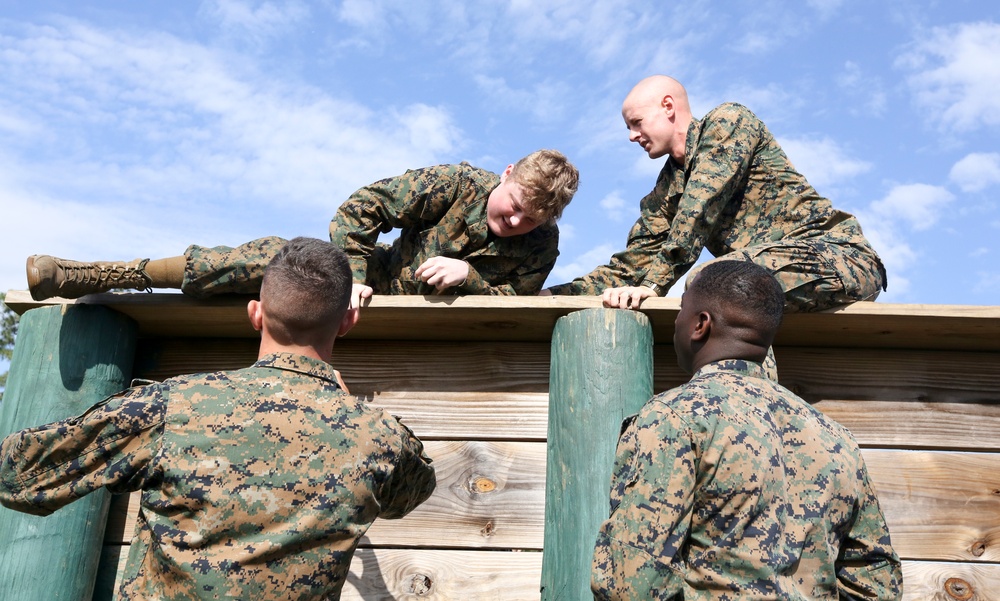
<point>939,505</point>
<point>489,495</point>
<point>371,367</point>
<point>933,581</point>
<point>390,574</point>
<point>464,415</point>
<point>528,318</point>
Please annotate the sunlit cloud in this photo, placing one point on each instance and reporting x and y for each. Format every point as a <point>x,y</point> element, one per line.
<point>955,71</point>
<point>976,171</point>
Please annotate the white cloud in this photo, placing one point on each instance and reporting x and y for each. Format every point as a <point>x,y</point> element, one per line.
<point>822,161</point>
<point>581,265</point>
<point>919,205</point>
<point>256,22</point>
<point>867,89</point>
<point>956,71</point>
<point>177,120</point>
<point>618,209</point>
<point>976,171</point>
<point>982,251</point>
<point>545,101</point>
<point>362,13</point>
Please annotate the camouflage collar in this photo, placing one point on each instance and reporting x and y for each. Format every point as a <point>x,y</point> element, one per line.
<point>300,364</point>
<point>740,366</point>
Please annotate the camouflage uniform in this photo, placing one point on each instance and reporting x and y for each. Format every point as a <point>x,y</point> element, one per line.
<point>257,483</point>
<point>441,211</point>
<point>731,487</point>
<point>739,196</point>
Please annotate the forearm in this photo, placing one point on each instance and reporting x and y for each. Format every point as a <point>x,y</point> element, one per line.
<point>112,444</point>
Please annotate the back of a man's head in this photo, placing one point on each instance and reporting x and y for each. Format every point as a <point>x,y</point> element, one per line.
<point>742,293</point>
<point>306,290</point>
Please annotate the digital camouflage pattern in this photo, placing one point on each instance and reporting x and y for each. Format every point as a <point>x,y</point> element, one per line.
<point>257,483</point>
<point>440,211</point>
<point>731,487</point>
<point>740,197</point>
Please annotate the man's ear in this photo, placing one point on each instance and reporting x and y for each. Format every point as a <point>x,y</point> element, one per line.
<point>703,327</point>
<point>667,104</point>
<point>256,315</point>
<point>506,173</point>
<point>350,319</point>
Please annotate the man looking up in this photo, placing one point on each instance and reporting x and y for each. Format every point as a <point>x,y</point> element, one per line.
<point>730,486</point>
<point>256,483</point>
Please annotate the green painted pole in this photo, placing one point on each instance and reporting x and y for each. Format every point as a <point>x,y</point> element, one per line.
<point>65,360</point>
<point>601,372</point>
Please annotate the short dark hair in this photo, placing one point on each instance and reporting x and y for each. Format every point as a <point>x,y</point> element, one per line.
<point>306,288</point>
<point>745,285</point>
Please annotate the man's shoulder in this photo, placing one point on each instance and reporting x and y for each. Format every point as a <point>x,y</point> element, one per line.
<point>729,110</point>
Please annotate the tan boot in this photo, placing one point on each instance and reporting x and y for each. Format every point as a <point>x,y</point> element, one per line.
<point>51,276</point>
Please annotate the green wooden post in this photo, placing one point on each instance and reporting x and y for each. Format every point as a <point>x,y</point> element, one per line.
<point>601,372</point>
<point>65,360</point>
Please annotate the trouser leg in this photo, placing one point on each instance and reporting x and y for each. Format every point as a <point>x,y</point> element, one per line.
<point>226,270</point>
<point>816,275</point>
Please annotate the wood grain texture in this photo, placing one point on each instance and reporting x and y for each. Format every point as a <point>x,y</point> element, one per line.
<point>939,505</point>
<point>489,495</point>
<point>527,318</point>
<point>395,574</point>
<point>934,581</point>
<point>456,575</point>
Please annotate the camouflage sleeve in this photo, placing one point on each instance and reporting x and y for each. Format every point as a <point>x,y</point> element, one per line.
<point>868,567</point>
<point>418,196</point>
<point>412,480</point>
<point>645,239</point>
<point>718,168</point>
<point>652,496</point>
<point>113,444</point>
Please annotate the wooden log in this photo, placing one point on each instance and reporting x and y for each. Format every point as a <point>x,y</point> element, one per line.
<point>602,371</point>
<point>65,360</point>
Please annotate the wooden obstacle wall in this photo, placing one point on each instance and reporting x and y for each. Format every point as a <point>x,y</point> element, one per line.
<point>918,385</point>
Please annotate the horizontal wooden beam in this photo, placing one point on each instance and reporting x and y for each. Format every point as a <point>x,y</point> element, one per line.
<point>490,495</point>
<point>378,573</point>
<point>531,318</point>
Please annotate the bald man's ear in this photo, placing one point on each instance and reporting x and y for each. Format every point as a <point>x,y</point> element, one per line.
<point>256,315</point>
<point>667,104</point>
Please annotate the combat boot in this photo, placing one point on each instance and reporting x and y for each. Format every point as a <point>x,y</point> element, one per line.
<point>51,276</point>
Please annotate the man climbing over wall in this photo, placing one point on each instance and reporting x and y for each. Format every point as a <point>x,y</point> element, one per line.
<point>727,186</point>
<point>463,230</point>
<point>256,483</point>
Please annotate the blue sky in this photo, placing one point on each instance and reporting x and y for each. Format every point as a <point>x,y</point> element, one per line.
<point>135,128</point>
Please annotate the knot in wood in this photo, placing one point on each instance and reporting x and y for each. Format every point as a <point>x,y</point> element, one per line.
<point>420,585</point>
<point>482,484</point>
<point>978,548</point>
<point>956,588</point>
<point>488,529</point>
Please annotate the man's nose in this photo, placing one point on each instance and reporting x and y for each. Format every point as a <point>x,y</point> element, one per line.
<point>633,135</point>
